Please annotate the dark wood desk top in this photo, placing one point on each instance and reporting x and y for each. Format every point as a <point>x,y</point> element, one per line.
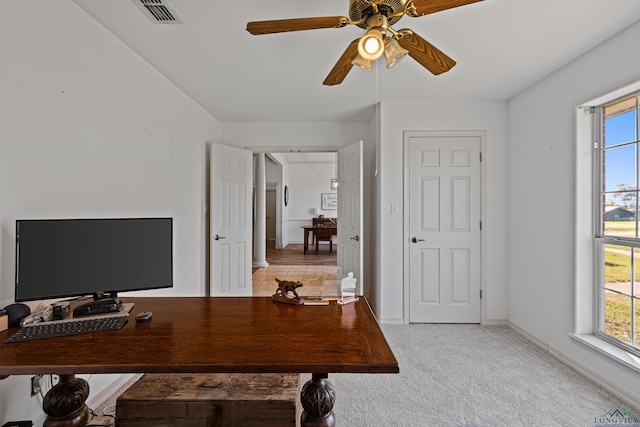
<point>199,335</point>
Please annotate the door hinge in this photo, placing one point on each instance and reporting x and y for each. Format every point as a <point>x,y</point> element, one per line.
<point>480,293</point>
<point>480,156</point>
<point>480,225</point>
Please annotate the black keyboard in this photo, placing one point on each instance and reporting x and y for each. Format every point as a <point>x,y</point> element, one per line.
<point>67,327</point>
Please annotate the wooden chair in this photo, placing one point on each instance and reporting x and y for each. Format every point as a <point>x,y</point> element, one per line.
<point>324,234</point>
<point>321,221</point>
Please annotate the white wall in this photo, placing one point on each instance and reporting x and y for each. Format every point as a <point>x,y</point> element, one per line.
<point>398,117</point>
<point>304,134</point>
<point>306,182</point>
<point>272,174</point>
<point>91,130</point>
<point>542,191</point>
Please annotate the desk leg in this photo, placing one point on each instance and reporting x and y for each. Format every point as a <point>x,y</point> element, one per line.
<point>64,403</point>
<point>317,398</point>
<point>306,241</point>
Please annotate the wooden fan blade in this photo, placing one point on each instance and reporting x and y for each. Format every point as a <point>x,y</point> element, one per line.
<point>425,7</point>
<point>429,56</point>
<point>296,24</point>
<point>343,66</point>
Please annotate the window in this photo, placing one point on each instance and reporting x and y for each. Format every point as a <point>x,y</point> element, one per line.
<point>617,233</point>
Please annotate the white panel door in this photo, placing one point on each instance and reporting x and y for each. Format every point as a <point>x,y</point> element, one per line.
<point>444,228</point>
<point>350,223</point>
<point>231,225</point>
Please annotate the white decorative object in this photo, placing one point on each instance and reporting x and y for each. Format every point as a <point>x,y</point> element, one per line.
<point>348,290</point>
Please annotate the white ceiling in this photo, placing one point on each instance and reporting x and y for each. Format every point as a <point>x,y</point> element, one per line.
<point>501,47</point>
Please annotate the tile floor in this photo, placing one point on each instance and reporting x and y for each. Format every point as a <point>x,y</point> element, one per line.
<point>318,280</point>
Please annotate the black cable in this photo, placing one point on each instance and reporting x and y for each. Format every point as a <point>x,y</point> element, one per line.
<point>94,415</point>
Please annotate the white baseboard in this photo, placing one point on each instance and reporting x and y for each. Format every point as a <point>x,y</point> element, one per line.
<point>391,321</point>
<point>104,394</point>
<point>400,321</point>
<point>579,367</point>
<point>494,322</point>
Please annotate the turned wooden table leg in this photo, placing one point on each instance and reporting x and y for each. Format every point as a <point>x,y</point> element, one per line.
<point>317,399</point>
<point>64,403</point>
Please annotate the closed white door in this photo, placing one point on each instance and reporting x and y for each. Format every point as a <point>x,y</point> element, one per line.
<point>230,221</point>
<point>444,230</point>
<point>350,223</point>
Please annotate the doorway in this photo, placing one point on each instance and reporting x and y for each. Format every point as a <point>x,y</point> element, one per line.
<point>227,262</point>
<point>271,215</point>
<point>303,174</point>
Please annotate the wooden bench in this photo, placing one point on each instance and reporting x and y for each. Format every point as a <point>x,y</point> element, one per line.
<point>211,400</point>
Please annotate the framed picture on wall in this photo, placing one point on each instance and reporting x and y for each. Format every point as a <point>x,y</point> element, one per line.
<point>329,201</point>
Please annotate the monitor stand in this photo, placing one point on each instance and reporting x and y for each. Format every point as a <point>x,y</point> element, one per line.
<point>106,296</point>
<point>101,304</point>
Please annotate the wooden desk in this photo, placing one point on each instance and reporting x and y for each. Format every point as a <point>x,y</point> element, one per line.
<point>200,335</point>
<point>308,229</point>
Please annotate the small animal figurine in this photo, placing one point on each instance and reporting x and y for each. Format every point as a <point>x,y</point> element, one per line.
<point>284,288</point>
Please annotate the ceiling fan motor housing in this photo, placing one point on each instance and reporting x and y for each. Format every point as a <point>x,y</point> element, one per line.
<point>359,9</point>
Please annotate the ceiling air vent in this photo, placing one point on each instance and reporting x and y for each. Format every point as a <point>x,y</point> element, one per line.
<point>158,11</point>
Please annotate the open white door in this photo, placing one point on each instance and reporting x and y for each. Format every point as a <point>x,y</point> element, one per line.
<point>231,225</point>
<point>350,223</point>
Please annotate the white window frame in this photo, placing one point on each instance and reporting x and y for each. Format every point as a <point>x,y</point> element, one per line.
<point>601,240</point>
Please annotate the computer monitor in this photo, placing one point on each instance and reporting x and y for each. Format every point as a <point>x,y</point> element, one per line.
<point>92,257</point>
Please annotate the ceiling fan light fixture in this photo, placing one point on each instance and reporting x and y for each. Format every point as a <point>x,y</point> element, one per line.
<point>376,18</point>
<point>393,52</point>
<point>371,45</point>
<point>363,63</point>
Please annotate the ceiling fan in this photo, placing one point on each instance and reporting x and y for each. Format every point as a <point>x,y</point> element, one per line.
<point>376,18</point>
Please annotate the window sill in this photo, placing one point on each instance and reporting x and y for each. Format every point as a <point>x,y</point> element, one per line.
<point>613,352</point>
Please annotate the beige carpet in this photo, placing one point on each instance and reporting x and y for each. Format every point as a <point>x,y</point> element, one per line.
<point>470,375</point>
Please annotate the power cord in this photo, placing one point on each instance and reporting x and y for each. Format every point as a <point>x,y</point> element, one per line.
<point>109,410</point>
<point>100,420</point>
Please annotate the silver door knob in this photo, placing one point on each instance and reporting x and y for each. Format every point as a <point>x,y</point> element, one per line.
<point>356,238</point>
<point>416,240</point>
<point>216,237</point>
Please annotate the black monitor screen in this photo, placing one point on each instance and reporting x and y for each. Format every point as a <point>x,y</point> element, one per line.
<point>62,258</point>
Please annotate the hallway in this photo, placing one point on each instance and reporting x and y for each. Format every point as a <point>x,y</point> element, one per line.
<point>318,273</point>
